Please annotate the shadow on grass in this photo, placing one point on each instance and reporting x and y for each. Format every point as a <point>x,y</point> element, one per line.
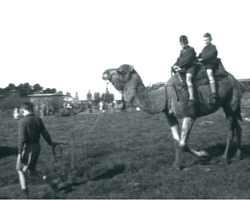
<point>96,173</point>
<point>216,151</point>
<point>219,149</point>
<point>105,172</point>
<point>67,187</point>
<point>7,151</point>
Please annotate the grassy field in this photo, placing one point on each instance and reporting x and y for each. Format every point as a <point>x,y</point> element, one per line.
<point>129,155</point>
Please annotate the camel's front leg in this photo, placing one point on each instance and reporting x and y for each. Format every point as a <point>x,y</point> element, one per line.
<point>175,133</point>
<point>174,126</point>
<point>187,125</point>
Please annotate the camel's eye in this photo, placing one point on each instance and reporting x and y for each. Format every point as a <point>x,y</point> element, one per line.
<point>121,71</point>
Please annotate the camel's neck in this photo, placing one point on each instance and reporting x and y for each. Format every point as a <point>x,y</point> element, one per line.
<point>151,102</point>
<point>142,100</point>
<point>135,91</point>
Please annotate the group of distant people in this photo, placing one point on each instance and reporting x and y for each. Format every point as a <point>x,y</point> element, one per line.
<point>187,62</point>
<point>107,106</point>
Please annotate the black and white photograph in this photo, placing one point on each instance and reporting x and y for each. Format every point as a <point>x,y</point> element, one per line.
<point>122,99</point>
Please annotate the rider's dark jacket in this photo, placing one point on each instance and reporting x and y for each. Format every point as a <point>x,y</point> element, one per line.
<point>187,58</point>
<point>209,54</point>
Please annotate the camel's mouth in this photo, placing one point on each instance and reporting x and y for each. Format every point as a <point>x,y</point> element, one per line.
<point>114,81</point>
<point>109,75</point>
<point>106,76</point>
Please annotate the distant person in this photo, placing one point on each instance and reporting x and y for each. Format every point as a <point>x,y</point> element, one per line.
<point>16,113</point>
<point>100,106</point>
<point>37,108</point>
<point>113,104</point>
<point>208,57</point>
<point>30,127</point>
<point>187,62</point>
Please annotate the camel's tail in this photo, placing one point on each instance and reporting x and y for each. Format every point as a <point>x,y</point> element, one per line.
<point>238,113</point>
<point>242,87</point>
<point>238,91</point>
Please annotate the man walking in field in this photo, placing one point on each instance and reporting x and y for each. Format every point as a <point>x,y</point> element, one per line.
<point>30,127</point>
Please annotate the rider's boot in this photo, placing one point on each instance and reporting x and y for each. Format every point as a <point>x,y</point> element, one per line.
<point>191,95</point>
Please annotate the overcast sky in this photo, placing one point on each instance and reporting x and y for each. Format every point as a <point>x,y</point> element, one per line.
<point>68,44</point>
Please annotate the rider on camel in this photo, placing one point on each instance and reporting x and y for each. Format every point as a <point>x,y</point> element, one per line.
<point>187,62</point>
<point>208,57</point>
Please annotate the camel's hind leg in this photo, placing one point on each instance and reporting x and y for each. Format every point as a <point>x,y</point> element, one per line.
<point>230,137</point>
<point>232,111</point>
<point>238,131</point>
<point>234,128</point>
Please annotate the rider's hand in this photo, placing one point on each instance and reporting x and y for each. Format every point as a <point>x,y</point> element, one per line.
<point>177,68</point>
<point>199,59</point>
<point>53,144</point>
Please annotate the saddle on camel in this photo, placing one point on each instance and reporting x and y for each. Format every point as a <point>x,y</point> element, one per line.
<point>201,87</point>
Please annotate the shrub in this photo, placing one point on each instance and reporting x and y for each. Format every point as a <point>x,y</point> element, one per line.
<point>11,102</point>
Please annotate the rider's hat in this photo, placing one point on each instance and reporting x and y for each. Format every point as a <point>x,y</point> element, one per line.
<point>207,35</point>
<point>184,39</point>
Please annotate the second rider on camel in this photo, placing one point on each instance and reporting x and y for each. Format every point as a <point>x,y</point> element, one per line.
<point>208,57</point>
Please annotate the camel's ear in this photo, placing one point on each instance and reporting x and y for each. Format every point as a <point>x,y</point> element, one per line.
<point>125,69</point>
<point>131,68</point>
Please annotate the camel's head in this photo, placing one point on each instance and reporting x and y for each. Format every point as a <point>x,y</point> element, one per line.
<point>119,77</point>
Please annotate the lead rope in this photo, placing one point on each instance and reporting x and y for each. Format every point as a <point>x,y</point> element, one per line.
<point>57,157</point>
<point>99,115</point>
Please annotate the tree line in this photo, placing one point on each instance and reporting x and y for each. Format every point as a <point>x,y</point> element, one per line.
<point>13,96</point>
<point>25,89</point>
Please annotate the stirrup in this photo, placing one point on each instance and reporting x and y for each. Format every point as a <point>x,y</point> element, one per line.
<point>212,98</point>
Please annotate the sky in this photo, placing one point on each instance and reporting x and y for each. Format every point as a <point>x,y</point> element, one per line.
<point>67,45</point>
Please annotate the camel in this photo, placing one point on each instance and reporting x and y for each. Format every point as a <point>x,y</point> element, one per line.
<point>172,100</point>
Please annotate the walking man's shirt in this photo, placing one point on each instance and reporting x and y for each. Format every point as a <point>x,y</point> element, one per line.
<point>30,129</point>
